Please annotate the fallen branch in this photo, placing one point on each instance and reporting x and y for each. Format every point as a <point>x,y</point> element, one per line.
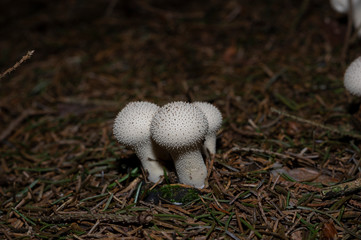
<point>341,189</point>
<point>17,64</point>
<point>107,217</point>
<point>256,150</point>
<point>329,128</point>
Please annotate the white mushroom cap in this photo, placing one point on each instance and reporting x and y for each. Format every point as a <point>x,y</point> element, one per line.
<point>343,6</point>
<point>180,127</point>
<point>214,118</point>
<point>132,124</point>
<point>340,6</point>
<point>132,128</point>
<point>352,78</point>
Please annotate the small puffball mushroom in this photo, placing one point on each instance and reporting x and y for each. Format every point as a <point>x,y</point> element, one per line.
<point>132,128</point>
<point>352,78</point>
<point>180,128</point>
<point>214,118</point>
<point>343,6</point>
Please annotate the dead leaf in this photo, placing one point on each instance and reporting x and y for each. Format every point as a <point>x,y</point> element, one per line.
<point>230,53</point>
<point>297,235</point>
<point>306,175</point>
<point>329,231</point>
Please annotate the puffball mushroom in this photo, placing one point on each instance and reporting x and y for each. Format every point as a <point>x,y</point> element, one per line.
<point>180,128</point>
<point>214,118</point>
<point>132,128</point>
<point>352,78</point>
<point>343,6</point>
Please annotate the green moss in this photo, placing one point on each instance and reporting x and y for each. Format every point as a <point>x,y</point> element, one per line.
<point>176,194</point>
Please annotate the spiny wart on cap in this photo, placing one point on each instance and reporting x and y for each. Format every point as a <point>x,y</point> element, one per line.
<point>180,128</point>
<point>214,118</point>
<point>352,78</point>
<point>132,128</point>
<point>132,124</point>
<point>178,125</point>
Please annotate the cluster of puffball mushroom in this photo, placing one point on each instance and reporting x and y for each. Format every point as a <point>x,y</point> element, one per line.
<point>177,130</point>
<point>343,6</point>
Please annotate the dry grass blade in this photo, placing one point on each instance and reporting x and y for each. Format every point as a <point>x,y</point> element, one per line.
<point>328,128</point>
<point>105,217</point>
<point>26,57</point>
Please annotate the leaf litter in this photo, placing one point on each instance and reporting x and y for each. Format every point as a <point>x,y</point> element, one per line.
<point>288,159</point>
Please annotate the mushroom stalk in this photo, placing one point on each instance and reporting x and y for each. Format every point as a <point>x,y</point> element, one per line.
<point>148,157</point>
<point>132,128</point>
<point>190,166</point>
<point>356,15</point>
<point>210,143</point>
<point>343,6</point>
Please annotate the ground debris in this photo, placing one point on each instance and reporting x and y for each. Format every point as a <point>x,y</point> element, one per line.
<point>288,151</point>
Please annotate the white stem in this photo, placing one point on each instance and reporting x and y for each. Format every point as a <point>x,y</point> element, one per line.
<point>190,166</point>
<point>356,15</point>
<point>210,142</point>
<point>146,154</point>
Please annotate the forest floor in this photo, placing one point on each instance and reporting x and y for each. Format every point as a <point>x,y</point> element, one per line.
<point>274,69</point>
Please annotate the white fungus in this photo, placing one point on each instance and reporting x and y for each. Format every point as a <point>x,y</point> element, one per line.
<point>343,6</point>
<point>180,128</point>
<point>214,118</point>
<point>352,78</point>
<point>132,128</point>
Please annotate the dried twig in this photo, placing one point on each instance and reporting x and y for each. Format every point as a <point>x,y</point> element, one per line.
<point>144,5</point>
<point>303,9</point>
<point>17,64</point>
<point>329,128</point>
<point>244,132</point>
<point>107,217</point>
<point>256,150</point>
<point>341,189</point>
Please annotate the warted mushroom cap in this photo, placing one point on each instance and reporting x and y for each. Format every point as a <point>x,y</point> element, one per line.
<point>178,125</point>
<point>213,115</point>
<point>132,124</point>
<point>352,78</point>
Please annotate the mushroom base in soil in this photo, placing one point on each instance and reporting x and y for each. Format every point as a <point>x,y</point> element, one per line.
<point>190,167</point>
<point>149,156</point>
